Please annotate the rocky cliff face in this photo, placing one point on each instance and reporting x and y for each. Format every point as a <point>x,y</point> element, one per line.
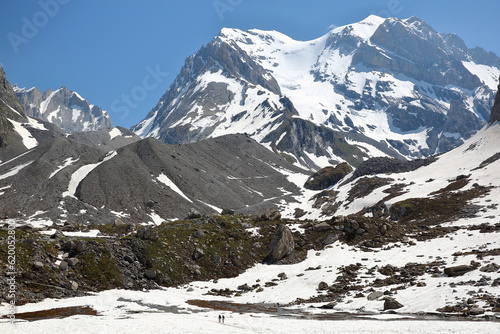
<point>495,111</point>
<point>64,108</point>
<point>379,87</point>
<point>11,111</point>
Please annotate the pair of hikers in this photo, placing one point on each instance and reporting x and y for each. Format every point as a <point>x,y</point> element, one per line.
<point>221,319</point>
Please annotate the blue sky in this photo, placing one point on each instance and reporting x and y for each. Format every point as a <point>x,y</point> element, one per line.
<point>108,49</point>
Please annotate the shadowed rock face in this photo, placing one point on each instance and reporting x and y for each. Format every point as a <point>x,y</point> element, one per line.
<point>10,109</point>
<point>495,111</point>
<point>282,244</point>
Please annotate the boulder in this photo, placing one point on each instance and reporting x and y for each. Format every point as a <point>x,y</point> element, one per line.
<point>328,176</point>
<point>281,245</point>
<point>80,246</point>
<point>118,222</point>
<point>323,286</point>
<point>458,270</point>
<point>375,295</point>
<point>299,213</point>
<point>199,234</point>
<point>330,239</point>
<point>150,274</point>
<point>392,304</point>
<point>198,253</point>
<point>271,214</point>
<point>322,227</point>
<point>38,265</point>
<point>147,233</point>
<point>73,286</point>
<point>227,212</point>
<point>68,246</point>
<point>73,261</point>
<point>63,265</point>
<point>193,214</point>
<point>57,235</point>
<point>476,311</point>
<point>490,268</point>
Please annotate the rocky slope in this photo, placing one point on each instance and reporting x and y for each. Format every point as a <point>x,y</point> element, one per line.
<point>66,180</point>
<point>379,87</point>
<point>11,116</point>
<point>64,108</point>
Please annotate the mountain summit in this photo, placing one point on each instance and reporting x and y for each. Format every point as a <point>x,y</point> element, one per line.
<point>379,87</point>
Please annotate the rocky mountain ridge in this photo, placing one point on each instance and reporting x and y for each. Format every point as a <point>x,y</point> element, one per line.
<point>63,108</point>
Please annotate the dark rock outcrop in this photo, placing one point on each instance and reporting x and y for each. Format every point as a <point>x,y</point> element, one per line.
<point>495,111</point>
<point>383,165</point>
<point>458,270</point>
<point>328,176</point>
<point>282,245</point>
<point>392,304</point>
<point>271,214</point>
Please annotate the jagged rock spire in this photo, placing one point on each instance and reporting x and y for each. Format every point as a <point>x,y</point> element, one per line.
<point>495,111</point>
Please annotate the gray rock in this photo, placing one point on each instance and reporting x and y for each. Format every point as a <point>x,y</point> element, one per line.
<point>199,234</point>
<point>68,246</point>
<point>128,258</point>
<point>227,212</point>
<point>80,246</point>
<point>58,235</point>
<point>118,222</point>
<point>392,304</point>
<point>490,268</point>
<point>38,265</point>
<point>330,239</point>
<point>63,265</point>
<point>322,227</point>
<point>323,286</point>
<point>73,261</point>
<point>375,295</point>
<point>73,285</point>
<point>458,270</point>
<point>150,274</point>
<point>198,253</point>
<point>147,233</point>
<point>193,214</point>
<point>282,244</point>
<point>271,214</point>
<point>476,311</point>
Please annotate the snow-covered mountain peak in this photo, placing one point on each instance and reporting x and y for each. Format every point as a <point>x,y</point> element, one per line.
<point>64,108</point>
<point>386,86</point>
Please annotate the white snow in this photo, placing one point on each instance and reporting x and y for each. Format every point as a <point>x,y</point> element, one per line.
<point>82,172</point>
<point>115,132</point>
<point>156,218</point>
<point>13,171</point>
<point>81,234</point>
<point>67,162</point>
<point>213,207</point>
<point>166,181</point>
<point>28,140</point>
<point>488,74</point>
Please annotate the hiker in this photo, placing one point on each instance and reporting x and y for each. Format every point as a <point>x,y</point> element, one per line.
<point>220,318</point>
<point>223,318</point>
